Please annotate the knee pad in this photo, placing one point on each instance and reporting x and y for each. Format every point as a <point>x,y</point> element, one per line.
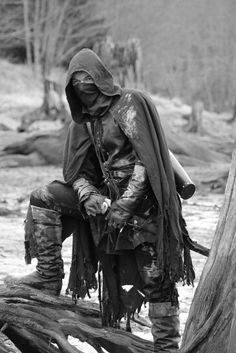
<point>40,197</point>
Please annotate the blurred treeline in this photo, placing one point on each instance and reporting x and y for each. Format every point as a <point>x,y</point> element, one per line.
<point>188,47</point>
<point>47,33</point>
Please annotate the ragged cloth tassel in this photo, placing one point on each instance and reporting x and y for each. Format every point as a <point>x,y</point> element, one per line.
<point>189,273</point>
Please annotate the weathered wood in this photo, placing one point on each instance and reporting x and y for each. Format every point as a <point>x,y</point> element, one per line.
<point>210,326</point>
<point>195,118</point>
<point>38,149</point>
<point>6,345</point>
<point>35,320</point>
<point>198,148</point>
<point>49,148</point>
<point>233,119</point>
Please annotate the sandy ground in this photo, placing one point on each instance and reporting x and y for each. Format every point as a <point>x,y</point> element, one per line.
<point>201,213</point>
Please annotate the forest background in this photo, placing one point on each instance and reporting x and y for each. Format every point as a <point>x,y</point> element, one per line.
<point>188,47</point>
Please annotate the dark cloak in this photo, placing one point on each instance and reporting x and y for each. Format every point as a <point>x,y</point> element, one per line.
<point>137,117</point>
<point>76,148</point>
<point>139,120</point>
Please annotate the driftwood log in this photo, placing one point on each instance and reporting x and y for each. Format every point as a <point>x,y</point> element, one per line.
<point>49,146</point>
<point>211,324</point>
<point>207,160</point>
<point>31,321</point>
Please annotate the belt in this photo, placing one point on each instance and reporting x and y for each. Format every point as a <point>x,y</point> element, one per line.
<point>120,174</point>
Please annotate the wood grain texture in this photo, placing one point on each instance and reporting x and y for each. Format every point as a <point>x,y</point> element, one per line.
<point>35,321</point>
<point>211,326</point>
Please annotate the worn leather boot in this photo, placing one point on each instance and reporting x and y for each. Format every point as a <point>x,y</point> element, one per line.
<point>47,239</point>
<point>165,327</point>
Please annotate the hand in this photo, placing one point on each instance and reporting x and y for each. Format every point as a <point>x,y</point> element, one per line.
<point>117,217</point>
<point>94,204</point>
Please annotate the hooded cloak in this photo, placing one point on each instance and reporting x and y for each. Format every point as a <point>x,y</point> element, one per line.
<point>138,118</point>
<point>86,60</point>
<point>78,142</point>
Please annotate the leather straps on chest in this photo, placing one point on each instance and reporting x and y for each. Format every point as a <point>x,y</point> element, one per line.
<point>108,178</point>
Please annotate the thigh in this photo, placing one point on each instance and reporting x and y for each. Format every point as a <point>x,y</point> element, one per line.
<point>57,196</point>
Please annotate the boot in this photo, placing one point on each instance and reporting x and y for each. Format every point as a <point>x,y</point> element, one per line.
<point>47,237</point>
<point>165,327</point>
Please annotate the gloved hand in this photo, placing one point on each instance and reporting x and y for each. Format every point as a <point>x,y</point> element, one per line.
<point>94,204</point>
<point>117,217</point>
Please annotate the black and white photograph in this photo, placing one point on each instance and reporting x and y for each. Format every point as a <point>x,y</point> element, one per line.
<point>117,176</point>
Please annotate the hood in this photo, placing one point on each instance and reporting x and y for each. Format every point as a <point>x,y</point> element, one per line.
<point>86,60</point>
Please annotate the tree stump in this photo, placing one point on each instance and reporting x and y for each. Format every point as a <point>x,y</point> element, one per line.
<point>194,124</point>
<point>211,324</point>
<point>233,119</point>
<point>31,321</point>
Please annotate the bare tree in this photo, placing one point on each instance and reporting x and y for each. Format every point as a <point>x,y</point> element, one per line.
<point>27,32</point>
<point>233,119</point>
<point>51,31</point>
<point>39,10</point>
<point>195,118</point>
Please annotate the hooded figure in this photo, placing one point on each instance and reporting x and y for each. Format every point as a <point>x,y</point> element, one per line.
<point>124,129</point>
<point>139,239</point>
<point>120,202</point>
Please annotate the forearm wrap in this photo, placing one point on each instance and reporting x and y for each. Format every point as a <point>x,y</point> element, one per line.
<point>136,189</point>
<point>84,189</point>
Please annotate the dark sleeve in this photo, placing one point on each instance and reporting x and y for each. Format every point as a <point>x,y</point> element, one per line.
<point>79,159</point>
<point>81,168</point>
<point>88,177</point>
<point>137,187</point>
<point>90,169</point>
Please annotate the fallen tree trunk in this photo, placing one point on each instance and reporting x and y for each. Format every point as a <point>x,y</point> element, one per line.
<point>196,148</point>
<point>38,323</point>
<point>6,344</point>
<point>211,324</point>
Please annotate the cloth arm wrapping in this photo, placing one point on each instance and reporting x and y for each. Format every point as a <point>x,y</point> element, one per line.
<point>136,189</point>
<point>84,189</point>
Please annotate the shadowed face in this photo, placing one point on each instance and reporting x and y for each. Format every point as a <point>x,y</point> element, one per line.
<point>85,88</point>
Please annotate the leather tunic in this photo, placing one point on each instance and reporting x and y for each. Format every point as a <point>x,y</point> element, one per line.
<point>119,161</point>
<point>113,148</point>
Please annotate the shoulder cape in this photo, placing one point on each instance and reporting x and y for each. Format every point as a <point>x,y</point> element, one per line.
<point>138,118</point>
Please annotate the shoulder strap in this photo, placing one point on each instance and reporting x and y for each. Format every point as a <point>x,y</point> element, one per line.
<point>89,128</point>
<point>113,190</point>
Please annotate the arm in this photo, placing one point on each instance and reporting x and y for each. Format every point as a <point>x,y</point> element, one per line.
<point>123,208</point>
<point>89,176</point>
<point>90,199</point>
<point>84,189</point>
